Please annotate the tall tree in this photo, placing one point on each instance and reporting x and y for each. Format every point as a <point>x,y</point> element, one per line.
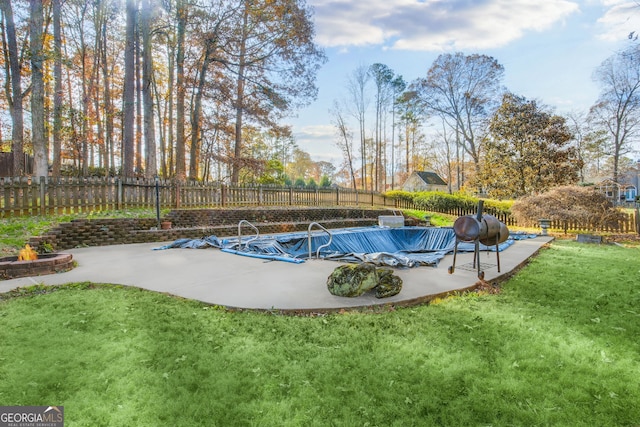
<point>275,61</point>
<point>129,104</point>
<point>382,78</point>
<point>463,89</point>
<point>87,76</point>
<point>617,109</point>
<point>528,150</point>
<point>105,15</point>
<point>359,100</point>
<point>146,17</point>
<point>14,95</point>
<point>38,133</point>
<point>182,15</point>
<point>398,85</point>
<point>57,89</point>
<point>410,122</point>
<point>344,141</point>
<point>213,27</point>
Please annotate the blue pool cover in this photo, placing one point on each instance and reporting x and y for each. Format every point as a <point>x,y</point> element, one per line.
<point>396,247</point>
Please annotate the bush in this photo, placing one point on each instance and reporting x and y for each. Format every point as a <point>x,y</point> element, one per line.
<point>325,182</point>
<point>437,201</point>
<point>566,203</point>
<point>311,184</point>
<point>400,195</point>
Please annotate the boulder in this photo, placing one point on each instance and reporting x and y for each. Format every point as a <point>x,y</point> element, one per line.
<point>352,280</point>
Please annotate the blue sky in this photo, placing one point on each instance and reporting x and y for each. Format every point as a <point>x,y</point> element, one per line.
<point>549,48</point>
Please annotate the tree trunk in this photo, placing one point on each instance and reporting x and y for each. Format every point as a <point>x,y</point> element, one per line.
<point>108,105</point>
<point>197,112</point>
<point>15,95</point>
<point>237,153</point>
<point>128,138</point>
<point>170,128</point>
<point>57,89</point>
<point>138,150</point>
<point>41,166</point>
<point>151,168</point>
<point>180,89</point>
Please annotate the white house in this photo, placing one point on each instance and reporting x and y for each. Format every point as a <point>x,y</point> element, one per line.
<point>424,181</point>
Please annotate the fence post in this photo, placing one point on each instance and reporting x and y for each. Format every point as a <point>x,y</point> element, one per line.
<point>223,195</point>
<point>178,194</point>
<point>119,194</point>
<point>290,196</point>
<point>42,195</point>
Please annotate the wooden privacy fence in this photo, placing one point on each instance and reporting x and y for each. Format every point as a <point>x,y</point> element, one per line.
<point>629,223</point>
<point>26,196</point>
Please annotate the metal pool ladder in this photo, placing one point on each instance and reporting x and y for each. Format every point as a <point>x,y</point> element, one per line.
<point>244,221</point>
<point>319,247</point>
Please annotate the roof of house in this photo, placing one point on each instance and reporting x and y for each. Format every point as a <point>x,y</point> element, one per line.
<point>431,178</point>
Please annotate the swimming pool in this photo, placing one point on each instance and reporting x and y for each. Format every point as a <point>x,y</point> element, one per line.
<point>396,247</point>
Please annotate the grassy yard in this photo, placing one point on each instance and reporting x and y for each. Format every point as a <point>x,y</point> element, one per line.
<point>558,346</point>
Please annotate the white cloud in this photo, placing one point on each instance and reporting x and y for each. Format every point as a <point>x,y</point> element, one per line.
<point>434,25</point>
<point>343,23</point>
<point>319,142</point>
<point>621,18</point>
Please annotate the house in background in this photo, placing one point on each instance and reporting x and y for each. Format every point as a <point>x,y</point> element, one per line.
<point>625,191</point>
<point>424,181</point>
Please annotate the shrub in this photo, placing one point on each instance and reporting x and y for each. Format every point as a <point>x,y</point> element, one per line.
<point>400,195</point>
<point>311,184</point>
<point>437,201</point>
<point>567,203</point>
<point>325,182</point>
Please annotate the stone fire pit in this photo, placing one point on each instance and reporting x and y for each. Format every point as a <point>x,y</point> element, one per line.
<point>11,268</point>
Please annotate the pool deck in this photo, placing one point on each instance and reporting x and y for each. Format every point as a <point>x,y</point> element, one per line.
<point>234,281</point>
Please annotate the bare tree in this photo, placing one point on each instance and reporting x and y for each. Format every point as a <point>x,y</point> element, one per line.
<point>464,90</point>
<point>617,109</point>
<point>382,77</point>
<point>357,87</point>
<point>345,141</point>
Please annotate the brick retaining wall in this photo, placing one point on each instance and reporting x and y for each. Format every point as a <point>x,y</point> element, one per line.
<point>198,223</point>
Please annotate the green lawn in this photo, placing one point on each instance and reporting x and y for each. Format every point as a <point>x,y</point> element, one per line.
<point>558,347</point>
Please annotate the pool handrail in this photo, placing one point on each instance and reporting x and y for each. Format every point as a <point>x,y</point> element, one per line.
<point>321,246</point>
<point>244,221</point>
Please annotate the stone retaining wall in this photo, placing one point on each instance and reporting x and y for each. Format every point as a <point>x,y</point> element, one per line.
<point>197,223</point>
